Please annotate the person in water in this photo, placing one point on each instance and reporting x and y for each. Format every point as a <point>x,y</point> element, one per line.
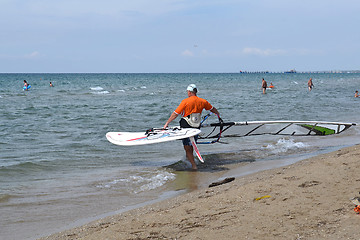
<point>264,86</point>
<point>25,85</point>
<point>51,85</point>
<point>190,109</point>
<point>356,93</point>
<point>271,85</point>
<point>310,84</point>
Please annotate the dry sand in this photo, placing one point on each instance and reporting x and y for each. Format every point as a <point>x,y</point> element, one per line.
<point>308,200</point>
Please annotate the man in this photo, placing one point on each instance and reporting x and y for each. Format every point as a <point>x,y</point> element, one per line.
<point>264,86</point>
<point>190,108</point>
<point>310,84</point>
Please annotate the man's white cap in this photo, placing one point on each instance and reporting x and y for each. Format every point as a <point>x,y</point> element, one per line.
<point>191,87</point>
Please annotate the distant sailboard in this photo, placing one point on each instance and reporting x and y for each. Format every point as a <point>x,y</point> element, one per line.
<point>150,136</point>
<point>289,128</point>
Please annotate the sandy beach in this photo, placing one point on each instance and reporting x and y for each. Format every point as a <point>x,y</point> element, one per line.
<point>307,200</point>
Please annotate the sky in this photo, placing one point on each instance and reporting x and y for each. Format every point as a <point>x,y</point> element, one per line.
<point>178,36</point>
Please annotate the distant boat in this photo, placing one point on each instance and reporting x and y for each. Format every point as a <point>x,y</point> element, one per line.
<point>291,71</point>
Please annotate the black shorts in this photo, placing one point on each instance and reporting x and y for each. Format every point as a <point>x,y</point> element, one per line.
<point>185,124</point>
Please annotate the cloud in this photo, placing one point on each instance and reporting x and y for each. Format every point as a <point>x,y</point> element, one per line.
<point>266,52</point>
<point>34,54</point>
<point>187,53</point>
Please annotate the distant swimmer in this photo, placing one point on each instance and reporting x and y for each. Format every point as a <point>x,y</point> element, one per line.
<point>271,85</point>
<point>356,93</point>
<point>26,85</point>
<point>310,84</point>
<point>264,86</point>
<point>51,85</point>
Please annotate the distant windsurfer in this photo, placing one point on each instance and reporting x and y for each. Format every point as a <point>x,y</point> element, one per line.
<point>190,108</point>
<point>264,86</point>
<point>310,84</point>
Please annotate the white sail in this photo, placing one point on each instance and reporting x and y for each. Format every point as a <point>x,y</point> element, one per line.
<point>292,128</point>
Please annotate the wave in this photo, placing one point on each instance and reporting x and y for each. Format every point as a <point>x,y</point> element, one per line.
<point>5,197</point>
<point>96,88</point>
<point>22,168</point>
<point>141,181</point>
<point>102,92</point>
<point>285,145</point>
<point>99,90</point>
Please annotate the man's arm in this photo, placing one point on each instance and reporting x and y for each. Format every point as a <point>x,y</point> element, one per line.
<point>171,118</point>
<point>214,110</point>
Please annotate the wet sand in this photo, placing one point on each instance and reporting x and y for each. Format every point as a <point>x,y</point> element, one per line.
<point>306,200</point>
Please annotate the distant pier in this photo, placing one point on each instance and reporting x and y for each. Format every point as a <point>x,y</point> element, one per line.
<point>293,72</point>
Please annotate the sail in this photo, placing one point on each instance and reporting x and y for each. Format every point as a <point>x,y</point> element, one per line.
<point>289,128</point>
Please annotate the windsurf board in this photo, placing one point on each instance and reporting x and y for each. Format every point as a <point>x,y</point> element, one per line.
<point>151,136</point>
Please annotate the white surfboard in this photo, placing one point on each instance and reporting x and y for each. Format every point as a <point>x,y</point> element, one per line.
<point>150,137</point>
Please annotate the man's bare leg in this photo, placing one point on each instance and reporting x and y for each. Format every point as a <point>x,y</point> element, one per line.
<point>189,150</point>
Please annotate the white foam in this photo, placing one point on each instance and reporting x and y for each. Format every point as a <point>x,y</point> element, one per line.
<point>141,181</point>
<point>96,88</point>
<point>102,92</point>
<point>155,181</point>
<point>284,145</point>
<point>143,87</point>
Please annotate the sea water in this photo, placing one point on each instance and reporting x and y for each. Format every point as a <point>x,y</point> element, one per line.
<point>57,170</point>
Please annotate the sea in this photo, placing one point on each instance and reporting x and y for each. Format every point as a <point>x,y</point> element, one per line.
<point>58,171</point>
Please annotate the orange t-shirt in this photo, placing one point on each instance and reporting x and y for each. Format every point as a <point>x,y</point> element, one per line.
<point>192,104</point>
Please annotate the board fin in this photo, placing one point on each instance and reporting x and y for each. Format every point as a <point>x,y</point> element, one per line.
<point>192,139</point>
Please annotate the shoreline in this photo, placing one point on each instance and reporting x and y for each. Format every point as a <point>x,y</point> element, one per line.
<point>308,199</point>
